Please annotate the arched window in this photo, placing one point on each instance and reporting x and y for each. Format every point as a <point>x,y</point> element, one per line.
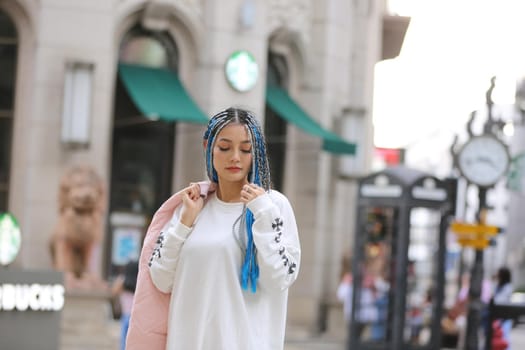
<point>275,126</point>
<point>153,49</point>
<point>8,55</point>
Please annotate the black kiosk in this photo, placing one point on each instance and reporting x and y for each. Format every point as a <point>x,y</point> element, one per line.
<point>398,261</point>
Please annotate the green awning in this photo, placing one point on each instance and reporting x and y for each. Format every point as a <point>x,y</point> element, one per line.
<point>159,94</point>
<point>282,104</point>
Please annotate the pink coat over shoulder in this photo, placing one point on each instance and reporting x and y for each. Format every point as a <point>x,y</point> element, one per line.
<point>149,314</point>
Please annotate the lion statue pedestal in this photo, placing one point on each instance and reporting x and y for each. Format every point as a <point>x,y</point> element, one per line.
<point>79,227</point>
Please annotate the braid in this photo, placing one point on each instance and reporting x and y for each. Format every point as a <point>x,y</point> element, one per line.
<point>259,174</point>
<point>262,167</point>
<point>215,125</point>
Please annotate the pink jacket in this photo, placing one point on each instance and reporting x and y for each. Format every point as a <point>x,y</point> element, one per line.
<point>149,314</point>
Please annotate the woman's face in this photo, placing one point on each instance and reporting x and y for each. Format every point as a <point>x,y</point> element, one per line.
<point>232,154</point>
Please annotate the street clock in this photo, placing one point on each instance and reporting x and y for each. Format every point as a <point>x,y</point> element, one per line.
<point>483,160</point>
<point>241,71</point>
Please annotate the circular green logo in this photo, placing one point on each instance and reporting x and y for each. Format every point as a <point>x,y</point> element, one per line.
<point>241,70</point>
<point>10,238</point>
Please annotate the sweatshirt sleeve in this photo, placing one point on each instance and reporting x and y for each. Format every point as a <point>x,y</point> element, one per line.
<point>276,239</point>
<point>165,256</point>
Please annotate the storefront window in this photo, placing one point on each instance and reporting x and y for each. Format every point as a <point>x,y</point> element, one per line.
<point>8,49</point>
<point>142,155</point>
<point>275,126</point>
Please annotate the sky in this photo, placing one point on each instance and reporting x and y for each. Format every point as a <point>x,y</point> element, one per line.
<point>451,50</point>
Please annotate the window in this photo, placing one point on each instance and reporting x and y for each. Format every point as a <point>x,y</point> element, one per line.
<point>275,126</point>
<point>142,154</point>
<point>8,55</point>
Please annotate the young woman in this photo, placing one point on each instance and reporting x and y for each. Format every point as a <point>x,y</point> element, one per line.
<point>228,252</point>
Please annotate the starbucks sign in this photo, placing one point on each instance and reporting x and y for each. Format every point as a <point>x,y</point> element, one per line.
<point>10,239</point>
<point>241,70</point>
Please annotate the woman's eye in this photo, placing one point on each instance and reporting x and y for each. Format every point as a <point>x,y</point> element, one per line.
<point>246,150</point>
<point>223,149</point>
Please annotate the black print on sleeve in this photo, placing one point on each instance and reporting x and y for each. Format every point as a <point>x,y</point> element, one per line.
<point>156,251</point>
<point>287,260</point>
<point>292,267</point>
<point>277,224</point>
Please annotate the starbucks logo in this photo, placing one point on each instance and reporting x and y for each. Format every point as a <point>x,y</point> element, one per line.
<point>10,239</point>
<point>241,71</point>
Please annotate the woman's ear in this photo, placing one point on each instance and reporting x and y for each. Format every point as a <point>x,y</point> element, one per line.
<point>205,144</point>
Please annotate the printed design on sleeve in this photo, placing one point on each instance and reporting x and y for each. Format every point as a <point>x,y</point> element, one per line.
<point>291,268</point>
<point>287,260</point>
<point>277,224</point>
<point>156,251</point>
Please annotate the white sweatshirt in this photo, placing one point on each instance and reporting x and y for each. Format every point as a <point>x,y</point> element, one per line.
<point>201,267</point>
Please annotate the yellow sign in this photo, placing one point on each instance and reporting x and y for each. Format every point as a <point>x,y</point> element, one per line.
<point>473,235</point>
<point>461,229</point>
<point>474,243</point>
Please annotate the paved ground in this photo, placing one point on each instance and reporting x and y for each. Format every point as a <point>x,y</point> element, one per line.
<point>518,337</point>
<point>301,341</point>
<point>315,344</point>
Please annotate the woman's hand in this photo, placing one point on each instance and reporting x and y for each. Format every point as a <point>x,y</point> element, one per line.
<point>251,191</point>
<point>192,204</point>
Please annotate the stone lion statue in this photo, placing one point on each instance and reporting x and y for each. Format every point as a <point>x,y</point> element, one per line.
<point>79,227</point>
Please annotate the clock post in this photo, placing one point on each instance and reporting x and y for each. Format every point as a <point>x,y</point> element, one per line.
<point>482,161</point>
<point>475,304</point>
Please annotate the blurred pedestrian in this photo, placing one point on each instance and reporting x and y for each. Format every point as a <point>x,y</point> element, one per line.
<point>502,295</point>
<point>226,254</point>
<point>344,289</point>
<point>124,287</point>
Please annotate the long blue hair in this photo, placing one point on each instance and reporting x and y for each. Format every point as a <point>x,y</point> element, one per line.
<point>259,174</point>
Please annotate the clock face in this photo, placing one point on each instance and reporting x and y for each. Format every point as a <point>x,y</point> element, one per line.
<point>483,160</point>
<point>241,71</point>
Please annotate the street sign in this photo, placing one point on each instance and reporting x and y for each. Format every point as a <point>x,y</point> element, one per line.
<point>481,243</point>
<point>516,174</point>
<point>474,235</point>
<point>461,228</point>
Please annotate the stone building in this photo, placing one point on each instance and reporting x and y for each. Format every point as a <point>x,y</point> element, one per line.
<point>74,81</point>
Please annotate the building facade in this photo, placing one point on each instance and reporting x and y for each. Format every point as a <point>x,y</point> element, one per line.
<point>72,92</point>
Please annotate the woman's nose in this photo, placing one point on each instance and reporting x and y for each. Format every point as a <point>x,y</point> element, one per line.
<point>236,155</point>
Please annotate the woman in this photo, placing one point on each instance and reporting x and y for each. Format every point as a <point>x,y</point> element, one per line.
<point>229,252</point>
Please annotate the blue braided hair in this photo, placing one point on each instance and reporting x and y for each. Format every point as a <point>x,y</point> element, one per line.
<point>259,174</point>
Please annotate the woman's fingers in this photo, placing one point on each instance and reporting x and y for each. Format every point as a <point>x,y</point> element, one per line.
<point>251,191</point>
<point>193,191</point>
<point>185,196</point>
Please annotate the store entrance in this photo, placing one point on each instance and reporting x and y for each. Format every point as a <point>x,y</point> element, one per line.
<point>141,175</point>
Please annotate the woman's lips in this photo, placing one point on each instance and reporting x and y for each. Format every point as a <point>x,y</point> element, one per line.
<point>233,169</point>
